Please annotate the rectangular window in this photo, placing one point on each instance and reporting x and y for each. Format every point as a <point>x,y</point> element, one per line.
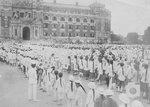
<point>62,19</point>
<point>70,27</point>
<point>62,26</point>
<point>70,34</point>
<point>16,32</point>
<point>45,25</point>
<point>45,34</point>
<point>21,14</point>
<point>92,21</point>
<point>85,27</point>
<point>92,34</point>
<point>54,25</point>
<point>78,27</point>
<point>62,34</point>
<point>92,27</point>
<point>77,34</point>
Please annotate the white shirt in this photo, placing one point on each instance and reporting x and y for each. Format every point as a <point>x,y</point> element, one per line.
<point>32,76</point>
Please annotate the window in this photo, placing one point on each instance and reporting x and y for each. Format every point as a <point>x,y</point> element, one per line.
<point>85,27</point>
<point>54,25</point>
<point>77,20</point>
<point>78,27</point>
<point>85,20</point>
<point>45,25</point>
<point>21,14</point>
<point>45,34</point>
<point>92,34</point>
<point>92,21</point>
<point>62,34</point>
<point>30,15</point>
<point>70,19</point>
<point>46,18</point>
<point>92,27</point>
<point>16,32</point>
<point>54,34</point>
<point>36,32</point>
<point>77,34</point>
<point>62,19</point>
<point>70,34</point>
<point>54,18</point>
<point>62,26</point>
<point>70,26</point>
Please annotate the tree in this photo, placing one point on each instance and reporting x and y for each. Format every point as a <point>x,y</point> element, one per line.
<point>132,38</point>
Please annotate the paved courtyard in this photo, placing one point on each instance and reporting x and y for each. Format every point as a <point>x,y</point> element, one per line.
<point>13,90</point>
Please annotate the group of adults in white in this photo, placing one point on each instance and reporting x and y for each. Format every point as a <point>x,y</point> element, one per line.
<point>108,71</point>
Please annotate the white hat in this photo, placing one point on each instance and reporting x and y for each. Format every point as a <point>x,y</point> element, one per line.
<point>71,78</point>
<point>100,90</point>
<point>78,81</point>
<point>33,62</point>
<point>108,92</point>
<point>91,85</point>
<point>124,98</point>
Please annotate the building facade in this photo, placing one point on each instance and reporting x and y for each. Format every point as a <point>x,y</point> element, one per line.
<point>36,19</point>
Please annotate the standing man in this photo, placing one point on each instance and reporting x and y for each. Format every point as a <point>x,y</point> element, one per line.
<point>32,83</point>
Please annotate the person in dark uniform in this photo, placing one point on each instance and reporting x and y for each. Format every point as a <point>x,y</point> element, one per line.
<point>108,101</point>
<point>99,97</point>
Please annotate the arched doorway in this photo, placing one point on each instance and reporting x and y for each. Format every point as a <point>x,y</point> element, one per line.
<point>26,33</point>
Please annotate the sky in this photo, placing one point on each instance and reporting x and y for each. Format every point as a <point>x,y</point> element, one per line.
<point>127,15</point>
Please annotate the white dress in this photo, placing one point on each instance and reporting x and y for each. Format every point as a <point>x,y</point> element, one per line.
<point>79,97</point>
<point>60,88</point>
<point>89,99</point>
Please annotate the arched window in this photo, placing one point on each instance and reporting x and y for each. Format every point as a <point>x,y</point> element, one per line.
<point>62,19</point>
<point>77,20</point>
<point>85,20</point>
<point>54,18</point>
<point>70,19</point>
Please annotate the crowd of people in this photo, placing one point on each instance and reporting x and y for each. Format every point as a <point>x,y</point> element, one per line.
<point>108,70</point>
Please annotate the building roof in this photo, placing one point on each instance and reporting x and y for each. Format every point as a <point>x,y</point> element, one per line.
<point>95,4</point>
<point>66,5</point>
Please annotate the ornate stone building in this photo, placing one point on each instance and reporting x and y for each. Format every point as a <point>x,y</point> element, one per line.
<point>36,19</point>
